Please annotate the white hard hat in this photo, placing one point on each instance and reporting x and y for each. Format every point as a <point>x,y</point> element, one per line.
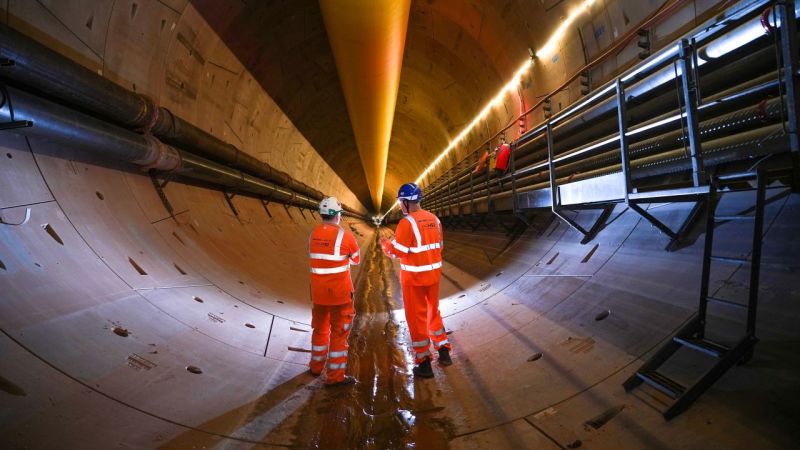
<point>330,206</point>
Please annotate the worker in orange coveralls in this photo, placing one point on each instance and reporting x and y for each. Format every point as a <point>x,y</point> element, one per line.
<point>418,244</point>
<point>331,250</point>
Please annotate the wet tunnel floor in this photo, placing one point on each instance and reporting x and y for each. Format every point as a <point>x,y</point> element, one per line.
<point>385,409</point>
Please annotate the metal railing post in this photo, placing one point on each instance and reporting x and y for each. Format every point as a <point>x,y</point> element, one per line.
<point>471,194</point>
<point>785,11</point>
<point>449,202</point>
<point>488,180</point>
<point>689,84</point>
<point>755,257</point>
<point>514,202</point>
<point>551,167</point>
<point>458,193</point>
<point>622,116</point>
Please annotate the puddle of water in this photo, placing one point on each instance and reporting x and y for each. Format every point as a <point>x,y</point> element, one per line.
<point>379,411</point>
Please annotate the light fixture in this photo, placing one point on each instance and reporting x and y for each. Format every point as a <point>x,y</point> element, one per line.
<point>550,46</point>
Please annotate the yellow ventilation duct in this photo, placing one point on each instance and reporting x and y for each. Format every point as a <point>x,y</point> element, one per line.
<point>368,38</point>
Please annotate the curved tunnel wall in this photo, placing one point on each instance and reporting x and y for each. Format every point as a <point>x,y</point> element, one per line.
<point>166,51</point>
<point>106,301</point>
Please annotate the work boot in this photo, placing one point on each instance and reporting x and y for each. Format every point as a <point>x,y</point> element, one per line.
<point>423,369</point>
<point>444,356</point>
<point>346,381</point>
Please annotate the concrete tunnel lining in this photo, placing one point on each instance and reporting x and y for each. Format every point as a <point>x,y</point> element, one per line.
<point>537,292</point>
<point>113,294</point>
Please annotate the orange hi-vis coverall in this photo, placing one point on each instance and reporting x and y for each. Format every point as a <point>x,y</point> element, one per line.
<point>332,250</point>
<point>418,243</point>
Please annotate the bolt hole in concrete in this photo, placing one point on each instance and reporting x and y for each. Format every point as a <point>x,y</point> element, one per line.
<point>553,258</point>
<point>119,331</point>
<point>604,417</point>
<point>603,315</point>
<point>249,325</point>
<point>137,266</point>
<point>8,155</point>
<point>462,295</point>
<point>100,195</point>
<point>52,232</point>
<point>589,255</point>
<point>9,387</point>
<point>2,266</point>
<point>197,299</point>
<point>194,369</point>
<point>535,357</point>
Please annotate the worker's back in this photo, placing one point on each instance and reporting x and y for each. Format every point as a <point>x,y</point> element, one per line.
<point>421,233</point>
<point>331,250</point>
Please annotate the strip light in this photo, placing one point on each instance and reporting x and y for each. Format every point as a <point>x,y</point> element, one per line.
<point>546,50</point>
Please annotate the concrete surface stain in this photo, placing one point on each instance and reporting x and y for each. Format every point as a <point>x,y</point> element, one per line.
<point>382,411</point>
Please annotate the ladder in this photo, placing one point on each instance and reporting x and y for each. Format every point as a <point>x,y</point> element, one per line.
<point>692,335</point>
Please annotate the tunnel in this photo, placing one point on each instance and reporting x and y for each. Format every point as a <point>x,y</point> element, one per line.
<point>629,280</point>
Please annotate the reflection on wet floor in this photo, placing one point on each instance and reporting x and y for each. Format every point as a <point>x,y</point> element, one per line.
<point>381,411</point>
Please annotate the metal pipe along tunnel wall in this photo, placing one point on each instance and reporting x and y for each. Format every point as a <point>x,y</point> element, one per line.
<point>122,325</point>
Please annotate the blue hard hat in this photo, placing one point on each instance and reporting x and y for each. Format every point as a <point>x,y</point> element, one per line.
<point>410,191</point>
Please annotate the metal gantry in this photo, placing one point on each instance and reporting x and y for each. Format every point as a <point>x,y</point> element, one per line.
<point>700,162</point>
